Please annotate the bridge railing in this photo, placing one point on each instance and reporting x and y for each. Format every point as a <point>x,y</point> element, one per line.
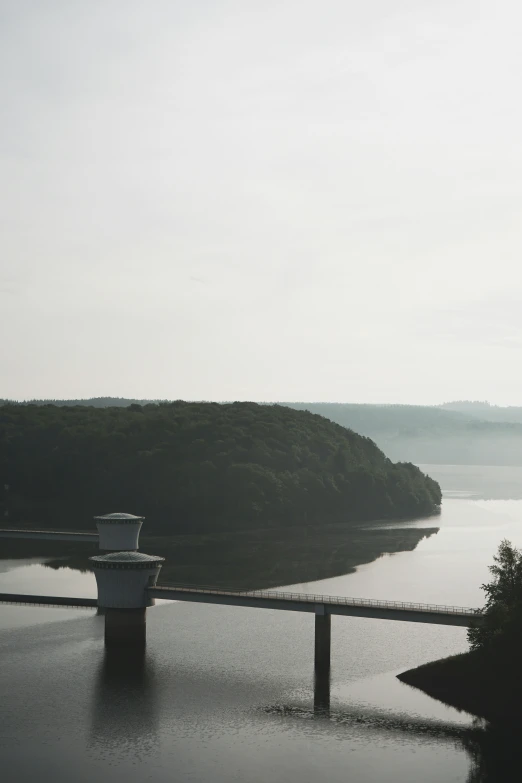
<point>92,533</point>
<point>48,600</point>
<point>283,595</point>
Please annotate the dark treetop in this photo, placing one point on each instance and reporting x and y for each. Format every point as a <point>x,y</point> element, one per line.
<point>463,433</point>
<point>197,467</point>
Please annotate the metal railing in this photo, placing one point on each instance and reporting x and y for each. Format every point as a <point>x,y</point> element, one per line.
<point>278,595</point>
<point>271,595</point>
<point>48,600</point>
<point>91,533</point>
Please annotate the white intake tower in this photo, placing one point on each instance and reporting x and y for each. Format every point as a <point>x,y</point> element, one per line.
<point>123,578</point>
<point>119,532</point>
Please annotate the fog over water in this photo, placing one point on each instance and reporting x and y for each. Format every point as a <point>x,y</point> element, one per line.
<point>225,693</point>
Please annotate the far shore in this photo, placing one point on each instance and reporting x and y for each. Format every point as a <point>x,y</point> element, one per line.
<point>486,686</point>
<point>263,558</point>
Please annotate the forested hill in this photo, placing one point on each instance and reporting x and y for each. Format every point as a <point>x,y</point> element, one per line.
<point>197,467</point>
<point>425,434</point>
<point>95,402</point>
<point>454,433</point>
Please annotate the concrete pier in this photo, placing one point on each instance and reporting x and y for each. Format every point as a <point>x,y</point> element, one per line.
<point>322,694</point>
<point>323,645</point>
<point>125,627</point>
<point>323,641</point>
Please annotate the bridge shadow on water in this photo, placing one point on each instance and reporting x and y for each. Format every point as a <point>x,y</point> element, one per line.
<point>124,714</point>
<point>124,721</point>
<point>494,751</point>
<point>495,754</point>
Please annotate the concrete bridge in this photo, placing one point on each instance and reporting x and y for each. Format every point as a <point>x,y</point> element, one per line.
<point>48,535</point>
<point>25,599</point>
<point>319,604</point>
<point>128,623</point>
<point>127,585</point>
<point>115,532</point>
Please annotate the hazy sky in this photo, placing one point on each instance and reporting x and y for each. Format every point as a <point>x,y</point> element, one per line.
<point>261,199</point>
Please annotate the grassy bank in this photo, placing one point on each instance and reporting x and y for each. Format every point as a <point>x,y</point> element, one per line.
<point>484,684</point>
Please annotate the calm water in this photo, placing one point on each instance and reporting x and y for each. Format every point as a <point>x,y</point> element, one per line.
<point>226,694</point>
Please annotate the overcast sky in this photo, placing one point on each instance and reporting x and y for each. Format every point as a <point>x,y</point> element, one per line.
<point>261,199</point>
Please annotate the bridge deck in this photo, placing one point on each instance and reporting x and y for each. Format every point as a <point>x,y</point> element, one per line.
<point>438,614</point>
<point>48,535</point>
<point>48,600</point>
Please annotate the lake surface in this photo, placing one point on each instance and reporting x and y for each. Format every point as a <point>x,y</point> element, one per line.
<point>226,693</point>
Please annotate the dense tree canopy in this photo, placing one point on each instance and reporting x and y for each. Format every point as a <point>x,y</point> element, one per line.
<point>486,680</point>
<point>501,618</point>
<point>197,466</point>
<point>456,433</point>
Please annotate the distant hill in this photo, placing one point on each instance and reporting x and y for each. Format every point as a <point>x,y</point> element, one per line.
<point>197,467</point>
<point>462,432</point>
<point>466,406</point>
<point>486,412</point>
<point>425,434</point>
<point>95,402</point>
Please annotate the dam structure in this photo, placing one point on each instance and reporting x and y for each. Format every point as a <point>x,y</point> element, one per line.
<point>127,585</point>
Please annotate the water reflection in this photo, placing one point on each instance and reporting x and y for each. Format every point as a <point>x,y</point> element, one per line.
<point>124,714</point>
<point>322,694</point>
<point>495,753</point>
<point>78,563</point>
<point>258,558</point>
<point>212,699</point>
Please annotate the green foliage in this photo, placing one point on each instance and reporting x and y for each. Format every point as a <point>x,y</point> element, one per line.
<point>96,402</point>
<point>455,433</point>
<point>197,467</point>
<point>501,618</point>
<point>428,434</point>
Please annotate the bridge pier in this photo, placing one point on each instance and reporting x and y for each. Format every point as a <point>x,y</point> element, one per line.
<point>322,694</point>
<point>323,640</point>
<point>323,644</point>
<point>125,626</point>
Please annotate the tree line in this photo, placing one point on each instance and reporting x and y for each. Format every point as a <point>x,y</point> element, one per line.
<point>197,467</point>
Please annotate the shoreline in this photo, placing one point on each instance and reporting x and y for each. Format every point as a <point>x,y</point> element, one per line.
<point>254,559</point>
<point>485,685</point>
